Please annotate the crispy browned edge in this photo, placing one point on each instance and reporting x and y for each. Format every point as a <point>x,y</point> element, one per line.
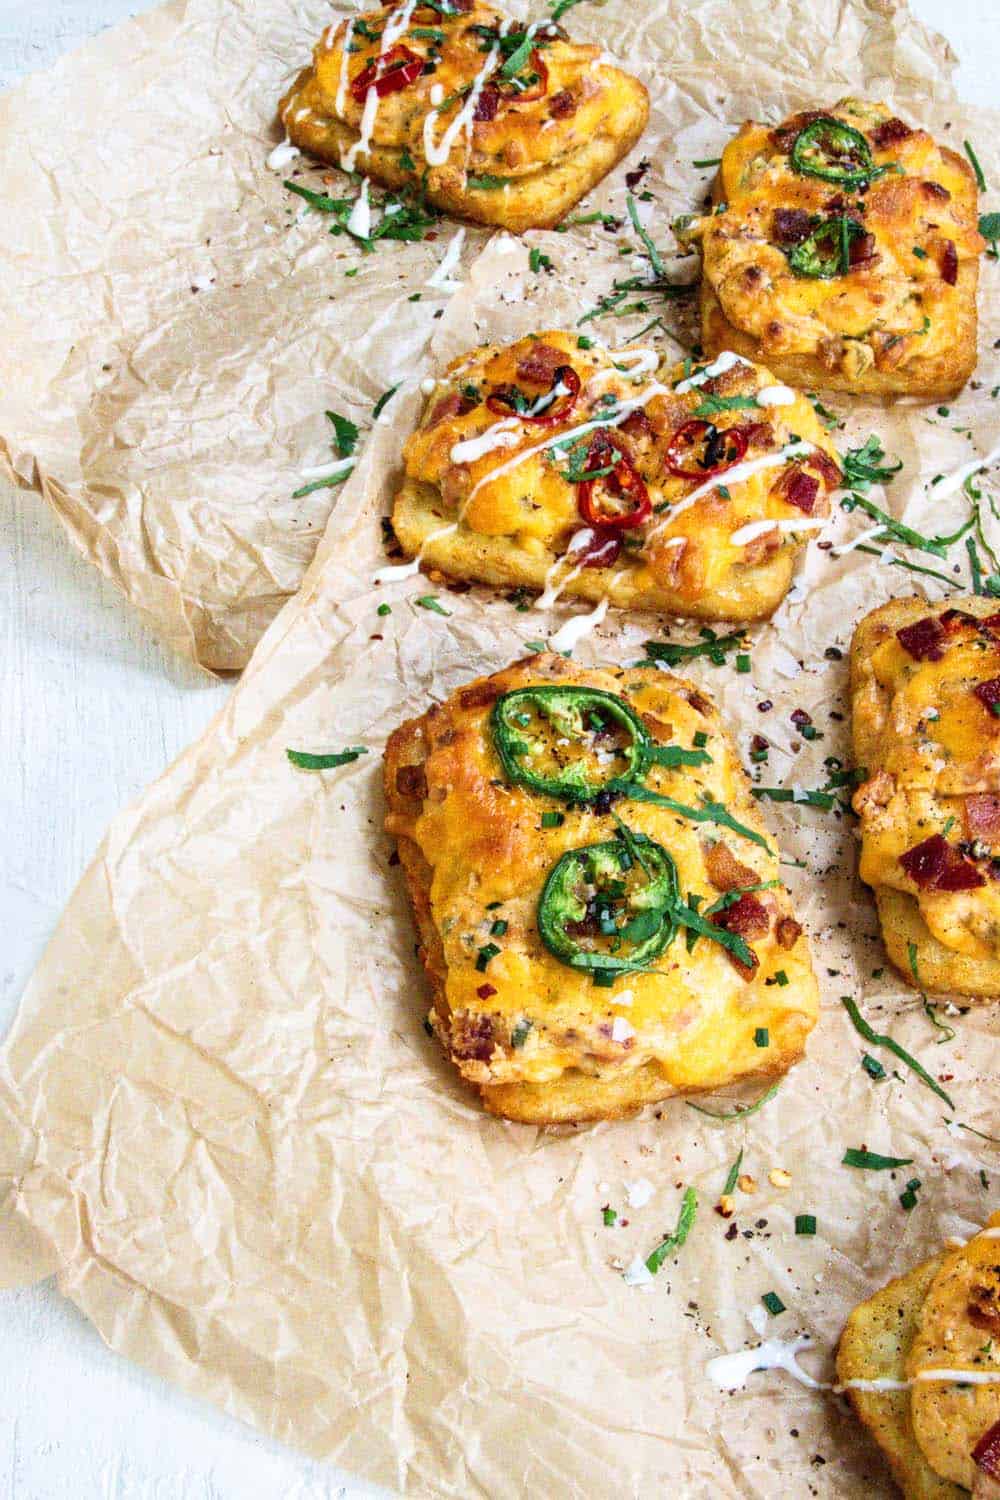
<point>539,201</point>
<point>576,1096</point>
<point>940,969</point>
<point>471,556</point>
<point>933,379</point>
<point>874,1345</point>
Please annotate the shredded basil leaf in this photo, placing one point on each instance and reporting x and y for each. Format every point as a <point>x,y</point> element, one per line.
<point>672,1242</point>
<point>877,1039</point>
<point>307,761</point>
<point>871,1161</point>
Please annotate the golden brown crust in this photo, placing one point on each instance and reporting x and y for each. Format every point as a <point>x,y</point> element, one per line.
<point>902,319</point>
<point>540,153</point>
<point>465,835</point>
<point>932,752</point>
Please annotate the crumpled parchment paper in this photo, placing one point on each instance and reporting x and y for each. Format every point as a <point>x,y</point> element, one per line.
<point>221,1120</point>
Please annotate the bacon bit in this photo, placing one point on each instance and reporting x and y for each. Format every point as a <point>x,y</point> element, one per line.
<point>758,743</point>
<point>748,917</point>
<point>488,103</point>
<point>485,991</point>
<point>988,694</point>
<point>862,249</point>
<point>923,639</point>
<point>784,135</point>
<point>602,552</point>
<point>828,470</point>
<point>955,620</point>
<point>888,133</point>
<point>937,866</point>
<point>797,488</point>
<point>935,190</point>
<point>983,1310</point>
<point>540,364</point>
<point>755,434</point>
<point>479,695</point>
<point>948,263</point>
<point>982,816</point>
<point>411,781</point>
<point>724,870</point>
<point>800,718</point>
<point>452,405</point>
<point>986,1453</point>
<point>787,932</point>
<point>992,622</point>
<point>699,704</point>
<point>472,1037</point>
<point>790,226</point>
<point>637,424</point>
<point>562,105</point>
<point>633,178</point>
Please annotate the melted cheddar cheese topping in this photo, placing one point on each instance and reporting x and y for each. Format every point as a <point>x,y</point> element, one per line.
<point>500,474</point>
<point>932,747</point>
<point>485,105</point>
<point>904,296</point>
<point>522,1015</point>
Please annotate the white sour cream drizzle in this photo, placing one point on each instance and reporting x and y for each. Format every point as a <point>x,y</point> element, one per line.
<point>728,1371</point>
<point>755,529</point>
<point>360,221</point>
<point>727,360</point>
<point>503,434</point>
<point>736,475</point>
<point>857,541</point>
<point>436,153</point>
<point>329,471</point>
<point>954,481</point>
<point>442,278</point>
<point>645,362</point>
<point>776,395</point>
<point>394,28</point>
<point>407,570</point>
<point>280,157</point>
<point>568,636</point>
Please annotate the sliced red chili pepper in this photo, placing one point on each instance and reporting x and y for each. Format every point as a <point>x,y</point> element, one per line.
<point>623,483</point>
<point>392,71</point>
<point>512,88</point>
<point>699,449</point>
<point>509,400</point>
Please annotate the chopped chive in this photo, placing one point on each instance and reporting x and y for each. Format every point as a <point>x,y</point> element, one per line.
<point>553,819</point>
<point>537,261</point>
<point>742,662</point>
<point>908,1198</point>
<point>309,762</point>
<point>781,978</point>
<point>805,1223</point>
<point>384,609</point>
<point>651,250</point>
<point>486,952</point>
<point>708,161</point>
<point>383,402</point>
<point>674,1241</point>
<point>498,928</point>
<point>931,1014</point>
<point>519,1035</point>
<point>430,601</point>
<point>610,1216</point>
<point>709,812</point>
<point>732,1177</point>
<point>762,1037</point>
<point>773,1303</point>
<point>700,739</point>
<point>871,1161</point>
<point>872,1066</point>
<point>603,979</point>
<point>877,1039</point>
<point>974,159</point>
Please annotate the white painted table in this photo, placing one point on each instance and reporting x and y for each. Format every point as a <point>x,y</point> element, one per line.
<point>92,710</point>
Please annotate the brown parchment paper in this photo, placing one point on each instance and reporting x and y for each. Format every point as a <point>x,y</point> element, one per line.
<point>175,323</point>
<point>221,1120</point>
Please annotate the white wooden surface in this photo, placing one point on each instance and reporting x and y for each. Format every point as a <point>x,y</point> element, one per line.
<point>91,710</point>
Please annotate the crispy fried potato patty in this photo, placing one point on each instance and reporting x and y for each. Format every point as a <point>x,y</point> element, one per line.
<point>843,252</point>
<point>617,940</point>
<point>923,681</point>
<point>611,474</point>
<point>490,121</point>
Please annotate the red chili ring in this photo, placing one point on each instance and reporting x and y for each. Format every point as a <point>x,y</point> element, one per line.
<point>687,438</point>
<point>388,74</point>
<point>503,400</point>
<point>624,482</point>
<point>509,90</point>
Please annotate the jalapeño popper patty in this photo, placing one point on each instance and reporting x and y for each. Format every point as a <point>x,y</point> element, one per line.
<point>493,120</point>
<point>613,474</point>
<point>842,250</point>
<point>601,912</point>
<point>925,685</point>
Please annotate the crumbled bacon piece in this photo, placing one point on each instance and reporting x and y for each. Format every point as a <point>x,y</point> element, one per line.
<point>797,488</point>
<point>825,466</point>
<point>540,364</point>
<point>762,546</point>
<point>479,695</point>
<point>954,620</point>
<point>472,1037</point>
<point>633,178</point>
<point>787,932</point>
<point>783,136</point>
<point>790,226</point>
<point>948,262</point>
<point>936,865</point>
<point>486,991</point>
<point>725,871</point>
<point>637,424</point>
<point>982,817</point>
<point>986,1453</point>
<point>562,105</point>
<point>862,250</point>
<point>800,717</point>
<point>747,916</point>
<point>935,190</point>
<point>755,434</point>
<point>923,640</point>
<point>988,694</point>
<point>983,1309</point>
<point>889,132</point>
<point>411,781</point>
<point>488,103</point>
<point>452,405</point>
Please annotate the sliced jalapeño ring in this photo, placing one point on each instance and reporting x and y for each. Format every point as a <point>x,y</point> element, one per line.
<point>609,908</point>
<point>569,742</point>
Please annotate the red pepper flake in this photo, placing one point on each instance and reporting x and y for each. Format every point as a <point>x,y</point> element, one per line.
<point>936,865</point>
<point>486,991</point>
<point>948,263</point>
<point>759,743</point>
<point>924,640</point>
<point>800,717</point>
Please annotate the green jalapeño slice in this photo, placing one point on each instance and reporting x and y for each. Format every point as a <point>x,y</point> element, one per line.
<point>827,251</point>
<point>836,152</point>
<point>569,742</point>
<point>608,908</point>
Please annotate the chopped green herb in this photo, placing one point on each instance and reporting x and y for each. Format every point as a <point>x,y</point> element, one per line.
<point>672,1242</point>
<point>781,978</point>
<point>700,739</point>
<point>384,609</point>
<point>345,433</point>
<point>762,1037</point>
<point>583,342</point>
<point>733,1174</point>
<point>383,402</point>
<point>553,819</point>
<point>871,1161</point>
<point>908,1198</point>
<point>742,662</point>
<point>519,1035</point>
<point>709,812</point>
<point>805,1223</point>
<point>610,1216</point>
<point>931,1014</point>
<point>740,1111</point>
<point>406,162</point>
<point>773,1303</point>
<point>710,406</point>
<point>876,1039</point>
<point>429,601</point>
<point>708,161</point>
<point>989,228</point>
<point>306,761</point>
<point>539,262</point>
<point>486,183</point>
<point>872,1066</point>
<point>498,928</point>
<point>920,254</point>
<point>486,952</point>
<point>864,466</point>
<point>713,646</point>
<point>974,159</point>
<point>820,799</point>
<point>651,250</point>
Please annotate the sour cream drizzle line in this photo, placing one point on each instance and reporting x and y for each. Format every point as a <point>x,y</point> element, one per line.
<point>727,360</point>
<point>436,153</point>
<point>736,475</point>
<point>755,529</point>
<point>394,29</point>
<point>953,482</point>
